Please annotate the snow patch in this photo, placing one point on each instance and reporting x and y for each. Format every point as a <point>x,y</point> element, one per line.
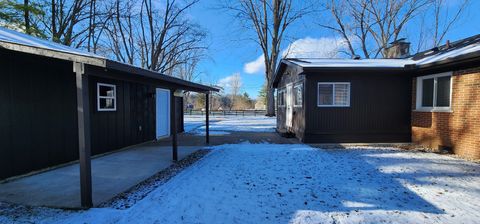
<point>222,124</point>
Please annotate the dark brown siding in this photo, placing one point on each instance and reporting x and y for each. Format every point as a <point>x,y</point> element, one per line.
<point>132,123</point>
<point>298,112</point>
<point>379,109</point>
<point>38,120</point>
<point>38,113</point>
<point>179,114</point>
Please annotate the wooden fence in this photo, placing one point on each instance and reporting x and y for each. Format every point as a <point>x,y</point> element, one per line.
<point>228,112</point>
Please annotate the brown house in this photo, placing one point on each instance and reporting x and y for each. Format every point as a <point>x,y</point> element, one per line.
<point>431,98</point>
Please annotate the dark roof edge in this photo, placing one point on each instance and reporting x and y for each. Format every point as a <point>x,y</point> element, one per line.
<point>280,68</point>
<point>463,61</point>
<point>356,69</point>
<point>473,56</point>
<point>110,64</point>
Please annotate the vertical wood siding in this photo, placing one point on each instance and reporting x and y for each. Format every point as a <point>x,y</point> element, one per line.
<point>38,114</point>
<point>132,123</point>
<point>298,118</point>
<point>379,108</point>
<point>38,123</point>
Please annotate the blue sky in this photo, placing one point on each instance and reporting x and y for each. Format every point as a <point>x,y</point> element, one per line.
<point>230,49</point>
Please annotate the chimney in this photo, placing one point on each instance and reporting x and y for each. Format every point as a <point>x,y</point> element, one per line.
<point>398,49</point>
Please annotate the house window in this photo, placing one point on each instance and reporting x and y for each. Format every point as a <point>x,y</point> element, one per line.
<point>333,94</point>
<point>298,95</point>
<point>434,92</point>
<point>106,97</point>
<point>281,98</point>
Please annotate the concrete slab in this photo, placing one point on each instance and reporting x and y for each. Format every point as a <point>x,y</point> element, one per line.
<point>111,174</point>
<point>116,172</point>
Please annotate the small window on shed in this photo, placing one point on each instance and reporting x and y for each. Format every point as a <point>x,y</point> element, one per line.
<point>333,94</point>
<point>298,95</point>
<point>281,98</point>
<point>106,97</point>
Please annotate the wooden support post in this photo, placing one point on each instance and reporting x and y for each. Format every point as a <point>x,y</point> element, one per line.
<point>173,125</point>
<point>84,146</point>
<point>207,121</point>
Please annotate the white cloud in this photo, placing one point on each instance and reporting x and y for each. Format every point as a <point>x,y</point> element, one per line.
<point>324,47</point>
<point>229,82</point>
<point>254,67</point>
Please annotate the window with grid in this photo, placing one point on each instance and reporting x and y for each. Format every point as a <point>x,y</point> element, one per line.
<point>333,94</point>
<point>106,97</point>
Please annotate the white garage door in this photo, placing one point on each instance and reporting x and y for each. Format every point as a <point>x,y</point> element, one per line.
<point>163,113</point>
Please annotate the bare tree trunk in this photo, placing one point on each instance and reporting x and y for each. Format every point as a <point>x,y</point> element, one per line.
<point>443,22</point>
<point>269,20</point>
<point>271,99</point>
<point>27,16</point>
<point>54,23</point>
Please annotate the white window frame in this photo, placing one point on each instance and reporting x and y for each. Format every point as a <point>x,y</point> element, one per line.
<point>114,97</point>
<point>419,93</point>
<point>295,94</point>
<point>284,101</point>
<point>333,94</point>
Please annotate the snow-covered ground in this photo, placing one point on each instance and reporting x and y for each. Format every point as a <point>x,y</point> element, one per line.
<point>223,125</point>
<point>281,183</point>
<point>273,183</point>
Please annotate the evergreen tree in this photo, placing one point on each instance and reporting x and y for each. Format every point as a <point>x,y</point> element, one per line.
<point>17,15</point>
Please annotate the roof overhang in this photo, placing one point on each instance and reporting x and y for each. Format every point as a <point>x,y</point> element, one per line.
<point>97,61</point>
<point>298,69</point>
<point>179,83</point>
<point>282,66</point>
<point>465,61</point>
<point>106,64</point>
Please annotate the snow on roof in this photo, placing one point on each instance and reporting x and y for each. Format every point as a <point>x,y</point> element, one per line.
<point>435,55</point>
<point>475,47</point>
<point>350,63</point>
<point>14,37</point>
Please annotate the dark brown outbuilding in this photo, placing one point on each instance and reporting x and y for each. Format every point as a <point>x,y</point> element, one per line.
<point>375,105</point>
<point>60,104</point>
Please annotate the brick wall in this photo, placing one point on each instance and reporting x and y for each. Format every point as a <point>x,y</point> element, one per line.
<point>459,129</point>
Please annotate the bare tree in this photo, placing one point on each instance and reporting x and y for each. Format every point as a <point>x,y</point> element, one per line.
<point>189,69</point>
<point>373,23</point>
<point>158,38</point>
<point>121,31</point>
<point>444,19</point>
<point>166,35</point>
<point>99,16</point>
<point>269,21</point>
<point>65,21</point>
<point>235,84</point>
